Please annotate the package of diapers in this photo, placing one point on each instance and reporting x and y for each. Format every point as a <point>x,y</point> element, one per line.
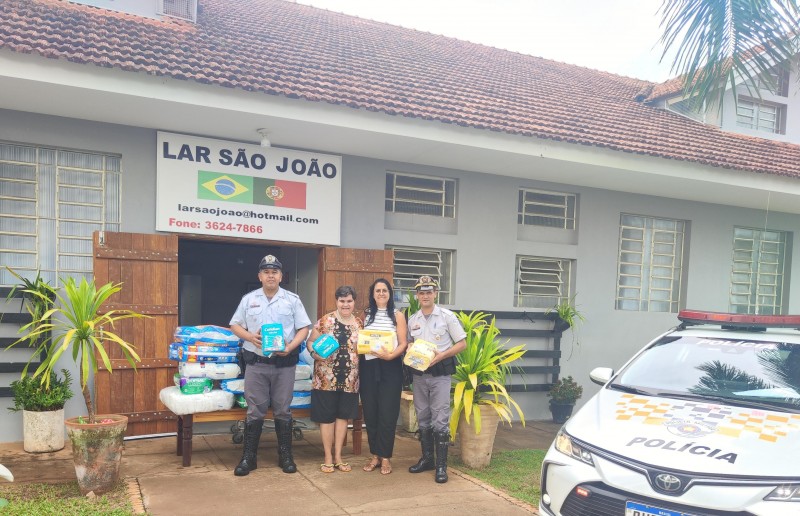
<point>208,335</point>
<point>182,404</point>
<point>301,400</point>
<point>193,385</point>
<point>213,370</point>
<point>234,385</point>
<point>375,340</point>
<point>325,345</point>
<point>272,338</point>
<point>303,371</point>
<point>419,354</point>
<point>302,385</point>
<point>194,353</point>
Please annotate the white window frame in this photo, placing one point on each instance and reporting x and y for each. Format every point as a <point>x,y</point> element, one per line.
<point>559,210</point>
<point>412,262</point>
<point>57,188</point>
<point>758,271</point>
<point>188,12</point>
<point>651,254</point>
<point>440,208</point>
<point>757,115</point>
<point>542,282</point>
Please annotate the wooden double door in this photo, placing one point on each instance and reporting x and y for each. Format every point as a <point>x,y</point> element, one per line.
<point>147,266</point>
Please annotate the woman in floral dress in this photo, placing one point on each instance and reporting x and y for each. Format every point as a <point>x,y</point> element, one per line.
<point>334,394</point>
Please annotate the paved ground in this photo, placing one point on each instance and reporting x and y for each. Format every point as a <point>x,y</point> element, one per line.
<point>208,486</point>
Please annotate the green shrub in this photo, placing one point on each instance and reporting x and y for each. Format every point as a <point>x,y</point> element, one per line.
<point>33,394</point>
<point>566,390</point>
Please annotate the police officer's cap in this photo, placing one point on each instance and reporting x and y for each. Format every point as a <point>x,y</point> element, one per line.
<point>426,283</point>
<point>270,262</point>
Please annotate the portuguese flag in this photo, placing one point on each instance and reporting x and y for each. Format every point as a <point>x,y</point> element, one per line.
<point>279,193</point>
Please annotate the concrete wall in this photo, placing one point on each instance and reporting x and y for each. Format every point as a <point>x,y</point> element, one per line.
<point>485,242</point>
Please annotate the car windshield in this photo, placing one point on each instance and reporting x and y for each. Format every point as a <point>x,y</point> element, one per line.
<point>750,373</point>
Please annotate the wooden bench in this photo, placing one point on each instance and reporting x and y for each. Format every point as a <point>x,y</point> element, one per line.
<point>186,431</point>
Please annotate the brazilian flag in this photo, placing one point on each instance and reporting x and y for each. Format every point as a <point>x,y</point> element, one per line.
<point>215,186</point>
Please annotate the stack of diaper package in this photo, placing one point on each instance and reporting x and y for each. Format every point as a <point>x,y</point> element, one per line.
<point>205,355</point>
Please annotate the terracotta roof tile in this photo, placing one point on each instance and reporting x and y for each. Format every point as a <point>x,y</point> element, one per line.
<point>297,51</point>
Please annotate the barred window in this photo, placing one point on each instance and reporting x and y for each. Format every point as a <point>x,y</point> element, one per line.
<point>761,116</point>
<point>651,256</point>
<point>51,201</point>
<point>420,195</point>
<point>757,275</point>
<point>410,263</point>
<point>549,209</point>
<point>542,282</point>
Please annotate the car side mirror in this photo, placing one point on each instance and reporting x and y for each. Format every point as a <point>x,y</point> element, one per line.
<point>601,375</point>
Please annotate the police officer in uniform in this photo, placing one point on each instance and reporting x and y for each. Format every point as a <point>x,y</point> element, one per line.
<point>269,380</point>
<point>432,388</point>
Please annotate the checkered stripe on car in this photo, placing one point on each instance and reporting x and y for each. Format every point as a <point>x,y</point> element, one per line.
<point>722,420</point>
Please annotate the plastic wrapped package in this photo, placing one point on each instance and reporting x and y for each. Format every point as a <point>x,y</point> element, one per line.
<point>208,334</point>
<point>194,353</point>
<point>375,340</point>
<point>301,399</point>
<point>234,385</point>
<point>325,345</point>
<point>213,370</point>
<point>272,338</point>
<point>419,354</point>
<point>193,385</point>
<point>302,385</point>
<point>182,404</point>
<point>303,371</point>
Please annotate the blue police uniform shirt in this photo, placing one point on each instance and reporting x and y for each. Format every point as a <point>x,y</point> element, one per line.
<point>285,308</point>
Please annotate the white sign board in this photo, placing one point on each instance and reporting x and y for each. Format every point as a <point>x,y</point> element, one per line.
<point>216,187</point>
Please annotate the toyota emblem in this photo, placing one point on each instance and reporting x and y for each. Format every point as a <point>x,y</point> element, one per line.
<point>668,483</point>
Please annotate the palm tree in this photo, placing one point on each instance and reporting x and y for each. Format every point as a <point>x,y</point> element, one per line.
<point>720,43</point>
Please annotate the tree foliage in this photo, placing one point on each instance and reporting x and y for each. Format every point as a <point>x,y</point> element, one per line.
<point>721,43</point>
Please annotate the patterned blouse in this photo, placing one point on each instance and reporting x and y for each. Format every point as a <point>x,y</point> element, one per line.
<point>338,372</point>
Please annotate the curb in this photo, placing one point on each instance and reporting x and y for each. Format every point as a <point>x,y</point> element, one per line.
<point>519,503</point>
<point>135,495</point>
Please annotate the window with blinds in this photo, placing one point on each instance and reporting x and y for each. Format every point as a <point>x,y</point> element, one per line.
<point>410,263</point>
<point>51,201</point>
<point>548,209</point>
<point>420,195</point>
<point>650,263</point>
<point>760,116</point>
<point>757,274</point>
<point>542,282</point>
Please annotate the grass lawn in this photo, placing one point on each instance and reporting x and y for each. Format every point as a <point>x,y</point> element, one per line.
<point>61,499</point>
<point>515,472</point>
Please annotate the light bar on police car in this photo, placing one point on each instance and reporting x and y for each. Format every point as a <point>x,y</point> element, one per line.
<point>695,317</point>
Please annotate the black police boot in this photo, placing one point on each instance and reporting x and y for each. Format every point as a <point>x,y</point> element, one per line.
<point>426,463</point>
<point>442,443</point>
<point>252,434</point>
<point>283,428</point>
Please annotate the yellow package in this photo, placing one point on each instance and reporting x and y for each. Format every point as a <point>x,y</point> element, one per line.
<point>419,354</point>
<point>375,340</point>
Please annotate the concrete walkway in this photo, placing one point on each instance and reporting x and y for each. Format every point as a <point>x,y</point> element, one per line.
<point>208,486</point>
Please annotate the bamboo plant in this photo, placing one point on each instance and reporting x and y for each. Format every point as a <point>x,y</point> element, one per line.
<point>481,372</point>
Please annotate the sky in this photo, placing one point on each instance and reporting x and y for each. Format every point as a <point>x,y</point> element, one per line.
<point>618,36</point>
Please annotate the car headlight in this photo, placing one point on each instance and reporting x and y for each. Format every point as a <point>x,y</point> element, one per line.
<point>784,493</point>
<point>567,446</point>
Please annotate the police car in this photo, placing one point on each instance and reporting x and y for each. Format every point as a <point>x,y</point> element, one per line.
<point>705,420</point>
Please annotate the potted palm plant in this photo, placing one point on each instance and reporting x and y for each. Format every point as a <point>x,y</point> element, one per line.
<point>563,395</point>
<point>42,410</point>
<point>480,399</point>
<point>80,327</point>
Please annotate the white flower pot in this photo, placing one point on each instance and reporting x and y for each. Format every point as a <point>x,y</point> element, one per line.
<point>43,431</point>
